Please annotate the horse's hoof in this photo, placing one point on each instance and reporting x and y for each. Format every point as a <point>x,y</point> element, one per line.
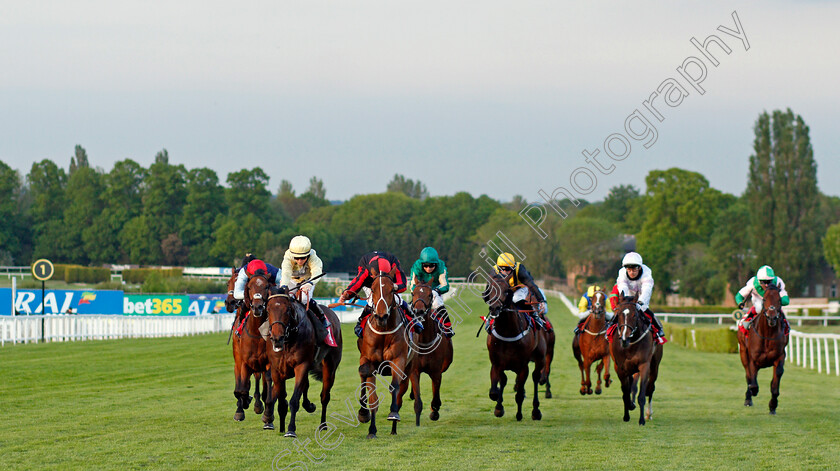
<point>290,434</point>
<point>267,420</point>
<point>258,408</point>
<point>626,418</point>
<point>548,394</point>
<point>597,390</point>
<point>371,435</point>
<point>268,426</point>
<point>239,416</point>
<point>364,417</point>
<point>395,416</point>
<point>607,383</point>
<point>434,415</point>
<point>642,422</point>
<point>632,407</point>
<point>393,432</point>
<point>499,411</point>
<point>536,414</point>
<point>518,416</point>
<point>589,391</point>
<point>494,395</point>
<point>309,407</point>
<point>747,403</point>
<point>582,392</point>
<point>322,426</point>
<point>772,412</point>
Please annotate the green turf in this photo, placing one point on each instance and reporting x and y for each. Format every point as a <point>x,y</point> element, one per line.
<point>168,404</point>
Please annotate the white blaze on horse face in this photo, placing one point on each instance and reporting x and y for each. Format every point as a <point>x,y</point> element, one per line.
<point>382,298</point>
<point>625,326</point>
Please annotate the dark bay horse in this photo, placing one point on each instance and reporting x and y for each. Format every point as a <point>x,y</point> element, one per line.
<point>385,350</point>
<point>635,353</point>
<point>590,345</point>
<point>512,343</point>
<point>764,346</point>
<point>294,353</point>
<point>434,350</point>
<point>240,370</point>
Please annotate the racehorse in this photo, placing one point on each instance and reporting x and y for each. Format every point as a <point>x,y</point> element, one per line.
<point>434,349</point>
<point>764,345</point>
<point>636,356</point>
<point>242,375</point>
<point>294,352</point>
<point>385,349</point>
<point>513,343</point>
<point>590,345</point>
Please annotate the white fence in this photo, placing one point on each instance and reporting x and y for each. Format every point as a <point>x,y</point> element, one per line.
<point>803,349</point>
<point>65,328</point>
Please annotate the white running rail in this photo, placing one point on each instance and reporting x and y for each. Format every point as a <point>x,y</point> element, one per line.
<point>806,350</point>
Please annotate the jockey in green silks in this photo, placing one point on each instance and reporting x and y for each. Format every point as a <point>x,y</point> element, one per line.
<point>429,268</point>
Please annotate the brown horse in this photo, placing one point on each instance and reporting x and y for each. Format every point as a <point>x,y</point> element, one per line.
<point>434,350</point>
<point>513,343</point>
<point>294,352</point>
<point>764,346</point>
<point>240,371</point>
<point>590,345</point>
<point>636,356</point>
<point>385,349</point>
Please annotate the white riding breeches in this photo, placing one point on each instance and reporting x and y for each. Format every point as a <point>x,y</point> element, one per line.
<point>437,300</point>
<point>520,295</point>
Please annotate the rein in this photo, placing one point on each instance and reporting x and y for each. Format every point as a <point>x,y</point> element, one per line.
<point>286,330</point>
<point>594,333</point>
<point>522,333</point>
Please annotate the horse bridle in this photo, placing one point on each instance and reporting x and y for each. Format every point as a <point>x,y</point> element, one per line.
<point>287,330</point>
<point>635,327</point>
<point>388,307</point>
<point>597,310</point>
<point>427,305</point>
<point>260,312</point>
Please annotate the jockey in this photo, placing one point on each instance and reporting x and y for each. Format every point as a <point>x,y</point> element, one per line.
<point>383,262</point>
<point>754,289</point>
<point>636,279</point>
<point>585,305</point>
<point>429,268</point>
<point>253,268</point>
<point>301,264</point>
<point>507,264</point>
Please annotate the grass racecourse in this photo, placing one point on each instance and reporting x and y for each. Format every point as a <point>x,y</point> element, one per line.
<point>168,404</point>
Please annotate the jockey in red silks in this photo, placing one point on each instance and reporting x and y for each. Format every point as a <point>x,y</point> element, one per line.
<point>383,262</point>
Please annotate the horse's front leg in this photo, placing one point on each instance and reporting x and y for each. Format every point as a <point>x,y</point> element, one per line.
<point>598,370</point>
<point>498,380</point>
<point>436,377</point>
<point>606,362</point>
<point>626,383</point>
<point>415,388</point>
<point>536,376</point>
<point>366,375</point>
<point>778,371</point>
<point>258,401</point>
<point>308,406</point>
<point>519,387</point>
<point>301,384</point>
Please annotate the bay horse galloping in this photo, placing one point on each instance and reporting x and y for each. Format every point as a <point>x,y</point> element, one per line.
<point>763,345</point>
<point>293,353</point>
<point>590,345</point>
<point>513,342</point>
<point>434,349</point>
<point>635,353</point>
<point>385,350</point>
<point>241,372</point>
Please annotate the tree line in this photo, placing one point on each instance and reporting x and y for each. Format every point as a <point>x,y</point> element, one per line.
<point>697,239</point>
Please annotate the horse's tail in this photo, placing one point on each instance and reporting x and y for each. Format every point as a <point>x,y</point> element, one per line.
<point>317,371</point>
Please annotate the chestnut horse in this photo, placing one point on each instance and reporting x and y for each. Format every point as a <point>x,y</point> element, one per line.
<point>240,371</point>
<point>764,346</point>
<point>590,345</point>
<point>434,350</point>
<point>634,351</point>
<point>513,343</point>
<point>294,352</point>
<point>385,349</point>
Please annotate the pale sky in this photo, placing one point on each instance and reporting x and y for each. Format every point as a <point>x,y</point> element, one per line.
<point>486,97</point>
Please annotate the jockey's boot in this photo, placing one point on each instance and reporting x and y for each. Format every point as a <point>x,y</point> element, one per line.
<point>415,323</point>
<point>443,321</point>
<point>322,326</point>
<point>546,324</point>
<point>660,331</point>
<point>610,322</point>
<point>579,327</point>
<point>358,329</point>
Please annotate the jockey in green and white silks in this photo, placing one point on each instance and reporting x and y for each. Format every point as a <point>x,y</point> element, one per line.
<point>754,290</point>
<point>429,268</point>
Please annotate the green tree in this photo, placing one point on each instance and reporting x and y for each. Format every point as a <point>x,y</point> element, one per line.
<point>783,199</point>
<point>590,246</point>
<point>730,244</point>
<point>81,240</point>
<point>47,183</point>
<point>163,200</point>
<point>122,201</point>
<point>316,188</point>
<point>831,246</point>
<point>79,159</point>
<point>11,230</point>
<point>680,208</point>
<point>624,206</point>
<point>408,187</point>
<point>205,203</point>
<point>697,271</point>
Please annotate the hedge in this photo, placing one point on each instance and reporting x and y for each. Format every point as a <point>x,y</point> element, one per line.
<point>138,275</point>
<point>80,274</point>
<point>693,309</point>
<point>708,339</point>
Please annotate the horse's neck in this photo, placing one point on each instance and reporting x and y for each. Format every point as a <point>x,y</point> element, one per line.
<point>510,321</point>
<point>596,322</point>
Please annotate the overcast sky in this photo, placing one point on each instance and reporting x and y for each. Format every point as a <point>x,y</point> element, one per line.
<point>487,97</point>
